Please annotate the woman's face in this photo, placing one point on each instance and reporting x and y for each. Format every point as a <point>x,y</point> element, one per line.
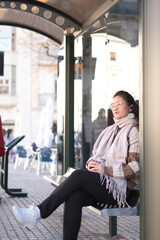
<point>120,108</point>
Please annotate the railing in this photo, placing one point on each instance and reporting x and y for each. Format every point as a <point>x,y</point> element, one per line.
<point>14,192</point>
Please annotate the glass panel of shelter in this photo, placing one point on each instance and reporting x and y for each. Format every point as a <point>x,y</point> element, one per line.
<point>110,63</point>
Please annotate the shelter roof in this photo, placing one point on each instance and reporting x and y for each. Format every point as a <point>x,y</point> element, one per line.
<point>54,18</point>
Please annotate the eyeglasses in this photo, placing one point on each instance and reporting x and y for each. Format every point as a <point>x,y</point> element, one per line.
<point>115,105</point>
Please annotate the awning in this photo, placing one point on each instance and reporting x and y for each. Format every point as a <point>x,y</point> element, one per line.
<point>54,18</point>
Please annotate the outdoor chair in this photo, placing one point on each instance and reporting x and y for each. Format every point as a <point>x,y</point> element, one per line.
<point>30,157</point>
<point>23,156</point>
<point>47,159</point>
<point>35,158</point>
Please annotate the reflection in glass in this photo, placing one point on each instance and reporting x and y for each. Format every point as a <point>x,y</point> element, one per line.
<point>116,50</point>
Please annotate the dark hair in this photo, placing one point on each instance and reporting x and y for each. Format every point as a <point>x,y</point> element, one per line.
<point>130,101</point>
<point>102,110</point>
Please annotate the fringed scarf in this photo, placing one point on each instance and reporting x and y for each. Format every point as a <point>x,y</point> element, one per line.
<point>110,150</point>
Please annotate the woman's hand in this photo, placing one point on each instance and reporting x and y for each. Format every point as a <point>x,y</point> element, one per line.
<point>95,167</point>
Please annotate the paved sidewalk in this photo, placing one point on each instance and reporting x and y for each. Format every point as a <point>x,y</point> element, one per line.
<point>93,226</point>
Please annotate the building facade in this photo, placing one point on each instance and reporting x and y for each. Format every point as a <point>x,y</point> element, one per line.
<point>30,75</point>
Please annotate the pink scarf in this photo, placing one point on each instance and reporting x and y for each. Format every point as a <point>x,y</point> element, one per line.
<point>109,151</point>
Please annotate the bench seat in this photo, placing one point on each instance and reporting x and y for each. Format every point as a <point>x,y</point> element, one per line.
<point>127,211</point>
<point>57,180</point>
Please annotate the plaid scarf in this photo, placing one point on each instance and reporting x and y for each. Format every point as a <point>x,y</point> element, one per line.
<point>112,148</point>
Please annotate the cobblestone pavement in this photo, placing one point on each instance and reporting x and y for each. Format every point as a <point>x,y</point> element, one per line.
<point>93,226</point>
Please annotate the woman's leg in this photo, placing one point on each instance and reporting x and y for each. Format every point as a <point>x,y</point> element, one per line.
<point>78,180</point>
<point>73,213</point>
<point>82,187</point>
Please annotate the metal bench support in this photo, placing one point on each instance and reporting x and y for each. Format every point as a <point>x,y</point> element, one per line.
<point>112,226</point>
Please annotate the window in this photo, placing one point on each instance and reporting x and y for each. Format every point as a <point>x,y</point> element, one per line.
<point>112,56</point>
<point>4,86</point>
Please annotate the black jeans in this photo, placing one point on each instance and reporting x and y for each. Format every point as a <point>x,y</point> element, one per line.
<point>81,188</point>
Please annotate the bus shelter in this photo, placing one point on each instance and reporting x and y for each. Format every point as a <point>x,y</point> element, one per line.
<point>131,21</point>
